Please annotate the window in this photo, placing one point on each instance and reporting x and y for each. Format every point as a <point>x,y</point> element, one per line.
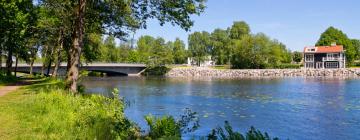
<point>311,50</point>
<point>309,65</point>
<point>332,65</point>
<point>309,57</point>
<point>332,55</point>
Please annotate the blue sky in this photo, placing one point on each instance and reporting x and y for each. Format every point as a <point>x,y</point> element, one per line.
<point>296,23</point>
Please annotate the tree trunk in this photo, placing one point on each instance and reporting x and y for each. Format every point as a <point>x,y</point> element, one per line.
<point>44,61</point>
<point>0,59</point>
<point>31,66</point>
<point>16,64</point>
<point>49,67</point>
<point>75,50</point>
<point>58,53</point>
<point>9,62</point>
<point>43,69</point>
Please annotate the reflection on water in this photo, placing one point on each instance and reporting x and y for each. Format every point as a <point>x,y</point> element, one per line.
<point>295,108</point>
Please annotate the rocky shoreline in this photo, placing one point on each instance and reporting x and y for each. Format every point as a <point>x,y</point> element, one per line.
<point>259,73</point>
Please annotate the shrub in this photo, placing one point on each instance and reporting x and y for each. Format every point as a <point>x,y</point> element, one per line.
<point>156,71</point>
<point>53,113</point>
<point>7,79</point>
<point>167,127</point>
<point>164,127</point>
<point>252,134</point>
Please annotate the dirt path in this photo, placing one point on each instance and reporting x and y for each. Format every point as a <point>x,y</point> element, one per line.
<point>12,87</point>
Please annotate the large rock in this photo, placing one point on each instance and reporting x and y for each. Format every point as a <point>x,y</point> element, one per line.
<point>234,73</point>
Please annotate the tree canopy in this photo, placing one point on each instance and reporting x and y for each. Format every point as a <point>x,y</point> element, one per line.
<point>238,47</point>
<point>199,46</point>
<point>118,18</point>
<point>333,35</point>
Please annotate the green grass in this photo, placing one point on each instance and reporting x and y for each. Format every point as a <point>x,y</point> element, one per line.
<point>221,67</point>
<point>46,111</point>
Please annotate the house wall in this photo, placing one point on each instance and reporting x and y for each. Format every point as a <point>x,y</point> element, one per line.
<point>318,58</point>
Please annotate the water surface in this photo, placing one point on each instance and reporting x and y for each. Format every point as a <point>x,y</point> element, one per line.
<point>294,108</point>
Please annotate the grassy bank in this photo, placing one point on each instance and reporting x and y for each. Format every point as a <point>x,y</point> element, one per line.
<point>45,110</point>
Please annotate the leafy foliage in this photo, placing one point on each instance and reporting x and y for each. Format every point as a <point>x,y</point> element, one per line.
<point>356,44</point>
<point>259,51</point>
<point>239,29</point>
<point>156,71</point>
<point>167,127</point>
<point>60,115</point>
<point>179,52</point>
<point>221,49</point>
<point>236,46</point>
<point>297,56</point>
<point>230,134</point>
<point>5,79</point>
<point>333,35</point>
<point>199,46</point>
<point>17,20</point>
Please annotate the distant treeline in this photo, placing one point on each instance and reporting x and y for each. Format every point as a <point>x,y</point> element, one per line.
<point>235,46</point>
<point>148,50</point>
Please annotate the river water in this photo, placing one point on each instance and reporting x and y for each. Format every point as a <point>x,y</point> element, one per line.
<point>294,108</point>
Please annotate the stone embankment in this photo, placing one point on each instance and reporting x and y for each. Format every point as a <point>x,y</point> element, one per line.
<point>257,73</point>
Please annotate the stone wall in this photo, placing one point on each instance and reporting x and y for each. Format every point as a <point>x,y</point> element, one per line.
<point>248,73</point>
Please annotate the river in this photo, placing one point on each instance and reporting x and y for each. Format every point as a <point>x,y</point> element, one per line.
<point>288,108</point>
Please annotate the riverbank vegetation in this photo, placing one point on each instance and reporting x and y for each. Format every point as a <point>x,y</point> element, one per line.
<point>352,46</point>
<point>46,110</point>
<point>63,31</point>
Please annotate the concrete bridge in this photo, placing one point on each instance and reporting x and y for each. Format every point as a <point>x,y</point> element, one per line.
<point>112,69</point>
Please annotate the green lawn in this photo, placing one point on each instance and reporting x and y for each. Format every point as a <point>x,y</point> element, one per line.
<point>46,111</point>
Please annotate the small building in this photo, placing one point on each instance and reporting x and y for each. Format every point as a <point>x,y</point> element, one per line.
<point>205,63</point>
<point>324,57</point>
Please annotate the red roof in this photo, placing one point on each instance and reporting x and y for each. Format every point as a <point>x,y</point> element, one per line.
<point>324,49</point>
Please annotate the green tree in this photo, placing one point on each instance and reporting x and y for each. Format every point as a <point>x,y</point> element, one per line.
<point>160,54</point>
<point>93,47</point>
<point>297,56</point>
<point>179,52</point>
<point>18,18</point>
<point>124,52</point>
<point>259,51</point>
<point>109,51</point>
<point>239,29</point>
<point>134,56</point>
<point>220,42</point>
<point>199,46</point>
<point>333,35</point>
<point>356,44</point>
<point>242,55</point>
<point>144,46</point>
<point>118,18</point>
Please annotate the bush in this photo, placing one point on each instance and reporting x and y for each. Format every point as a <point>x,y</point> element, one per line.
<point>167,127</point>
<point>156,71</point>
<point>164,127</point>
<point>356,64</point>
<point>7,79</point>
<point>53,113</point>
<point>252,134</point>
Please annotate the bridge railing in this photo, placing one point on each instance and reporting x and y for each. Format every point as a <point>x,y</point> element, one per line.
<point>89,64</point>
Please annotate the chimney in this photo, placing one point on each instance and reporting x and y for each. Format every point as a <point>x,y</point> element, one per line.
<point>333,44</point>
